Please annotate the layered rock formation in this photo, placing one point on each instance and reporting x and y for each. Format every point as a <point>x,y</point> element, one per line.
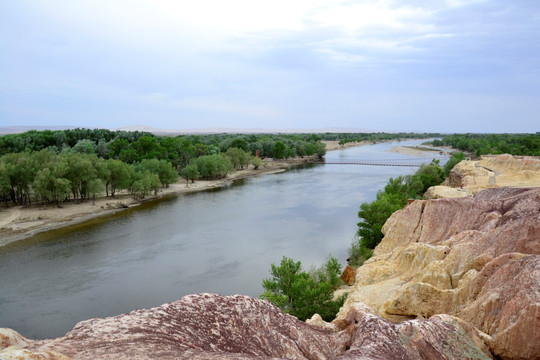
<point>477,258</point>
<point>208,326</point>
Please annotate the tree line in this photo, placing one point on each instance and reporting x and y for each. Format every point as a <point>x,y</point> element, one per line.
<point>483,144</point>
<point>46,177</point>
<point>131,147</point>
<point>55,166</point>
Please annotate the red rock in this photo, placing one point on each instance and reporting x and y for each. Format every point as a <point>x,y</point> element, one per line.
<point>209,326</point>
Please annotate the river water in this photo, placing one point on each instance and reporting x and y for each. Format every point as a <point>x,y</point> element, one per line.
<point>221,241</point>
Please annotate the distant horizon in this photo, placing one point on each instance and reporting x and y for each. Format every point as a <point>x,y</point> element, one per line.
<point>6,130</point>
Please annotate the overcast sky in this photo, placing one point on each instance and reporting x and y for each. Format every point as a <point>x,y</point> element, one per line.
<point>445,66</point>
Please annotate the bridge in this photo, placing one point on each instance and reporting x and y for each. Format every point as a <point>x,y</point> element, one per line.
<point>410,162</point>
<point>369,163</point>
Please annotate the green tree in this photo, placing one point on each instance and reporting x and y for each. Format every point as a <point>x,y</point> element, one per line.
<point>280,150</point>
<point>84,146</point>
<point>213,166</point>
<point>320,149</point>
<point>117,146</point>
<point>144,182</point>
<point>200,150</point>
<point>20,170</point>
<point>119,176</point>
<point>239,143</point>
<point>375,214</point>
<point>79,171</point>
<point>394,197</point>
<point>190,172</point>
<point>257,162</point>
<point>95,187</point>
<point>167,174</point>
<point>302,293</point>
<point>239,158</point>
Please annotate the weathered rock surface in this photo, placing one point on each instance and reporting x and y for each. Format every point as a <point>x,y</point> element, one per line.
<point>477,258</point>
<point>209,326</point>
<point>443,192</point>
<point>496,170</point>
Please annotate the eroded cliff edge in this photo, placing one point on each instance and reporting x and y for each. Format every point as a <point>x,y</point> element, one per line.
<point>209,326</point>
<point>476,258</point>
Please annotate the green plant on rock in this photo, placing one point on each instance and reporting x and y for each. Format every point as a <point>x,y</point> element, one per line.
<point>302,293</point>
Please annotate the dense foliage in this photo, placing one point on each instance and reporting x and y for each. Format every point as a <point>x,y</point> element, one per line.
<point>482,144</point>
<point>344,138</point>
<point>132,147</point>
<point>47,177</point>
<point>454,159</point>
<point>55,166</point>
<point>302,293</point>
<point>397,191</point>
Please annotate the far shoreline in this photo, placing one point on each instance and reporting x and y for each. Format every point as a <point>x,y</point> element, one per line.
<point>23,222</point>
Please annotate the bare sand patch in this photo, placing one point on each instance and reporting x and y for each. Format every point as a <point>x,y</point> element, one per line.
<point>334,144</point>
<point>419,150</point>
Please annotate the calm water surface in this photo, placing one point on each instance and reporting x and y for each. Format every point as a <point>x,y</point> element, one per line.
<point>220,241</point>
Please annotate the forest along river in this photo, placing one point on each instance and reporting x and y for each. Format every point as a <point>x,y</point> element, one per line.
<point>220,241</point>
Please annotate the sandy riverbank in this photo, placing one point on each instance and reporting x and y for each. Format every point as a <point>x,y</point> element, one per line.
<point>422,150</point>
<point>334,145</point>
<point>21,222</point>
<point>18,222</point>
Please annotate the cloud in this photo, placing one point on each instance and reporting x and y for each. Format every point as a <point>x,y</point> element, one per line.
<point>268,62</point>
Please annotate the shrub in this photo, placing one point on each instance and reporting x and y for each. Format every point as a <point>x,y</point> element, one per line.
<point>302,293</point>
<point>358,253</point>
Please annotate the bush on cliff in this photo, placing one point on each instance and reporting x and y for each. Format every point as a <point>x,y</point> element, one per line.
<point>302,293</point>
<point>454,159</point>
<point>373,215</point>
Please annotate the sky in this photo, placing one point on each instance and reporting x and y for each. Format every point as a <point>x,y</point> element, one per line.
<point>417,65</point>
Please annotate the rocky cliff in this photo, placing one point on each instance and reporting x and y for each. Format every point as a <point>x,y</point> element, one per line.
<point>476,258</point>
<point>208,326</point>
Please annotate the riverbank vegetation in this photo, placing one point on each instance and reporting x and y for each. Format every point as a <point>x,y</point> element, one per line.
<point>393,197</point>
<point>50,167</point>
<point>483,144</point>
<point>302,293</point>
<point>374,137</point>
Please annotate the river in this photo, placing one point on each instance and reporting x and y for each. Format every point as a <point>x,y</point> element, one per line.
<point>221,241</point>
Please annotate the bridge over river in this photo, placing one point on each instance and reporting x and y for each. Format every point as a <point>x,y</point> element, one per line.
<point>409,162</point>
